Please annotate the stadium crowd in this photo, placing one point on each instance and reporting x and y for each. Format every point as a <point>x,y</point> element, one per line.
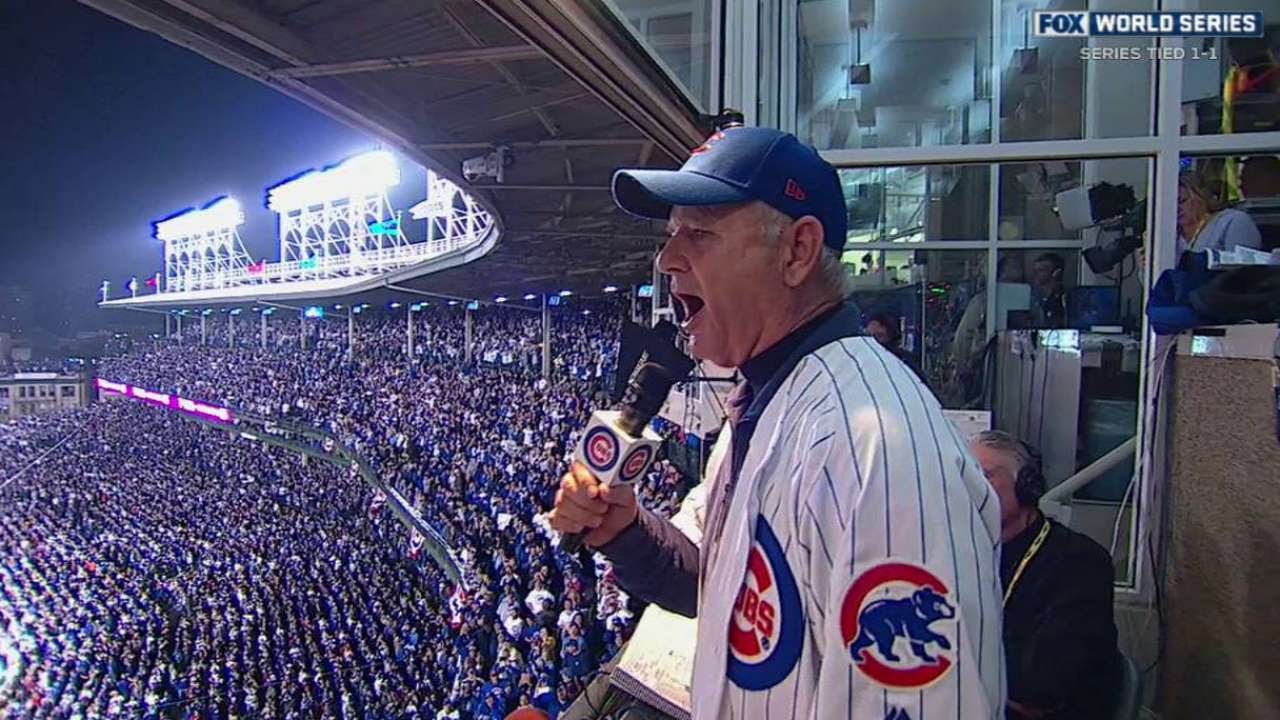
<point>157,568</point>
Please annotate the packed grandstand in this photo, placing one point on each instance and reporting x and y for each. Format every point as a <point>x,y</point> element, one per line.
<point>155,567</point>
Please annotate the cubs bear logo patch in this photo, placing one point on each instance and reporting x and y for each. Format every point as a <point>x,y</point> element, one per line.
<point>766,632</point>
<point>897,620</point>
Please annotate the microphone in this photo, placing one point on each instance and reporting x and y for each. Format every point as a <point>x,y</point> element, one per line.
<point>618,446</point>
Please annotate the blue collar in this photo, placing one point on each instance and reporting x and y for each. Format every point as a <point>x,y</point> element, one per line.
<point>768,370</point>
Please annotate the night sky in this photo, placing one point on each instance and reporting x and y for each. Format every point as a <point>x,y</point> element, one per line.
<point>108,128</point>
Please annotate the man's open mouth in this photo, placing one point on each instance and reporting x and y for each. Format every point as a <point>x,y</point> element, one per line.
<point>687,308</point>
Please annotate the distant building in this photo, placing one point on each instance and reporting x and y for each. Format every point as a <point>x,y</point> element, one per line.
<point>23,394</point>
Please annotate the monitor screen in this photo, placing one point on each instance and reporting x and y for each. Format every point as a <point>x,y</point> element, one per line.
<point>1091,305</point>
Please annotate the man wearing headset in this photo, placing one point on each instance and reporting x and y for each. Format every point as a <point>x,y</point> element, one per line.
<point>1049,286</point>
<point>1059,631</point>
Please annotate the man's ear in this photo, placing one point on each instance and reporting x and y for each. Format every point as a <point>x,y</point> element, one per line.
<point>804,245</point>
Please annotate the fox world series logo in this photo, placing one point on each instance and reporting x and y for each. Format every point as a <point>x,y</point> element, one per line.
<point>1146,24</point>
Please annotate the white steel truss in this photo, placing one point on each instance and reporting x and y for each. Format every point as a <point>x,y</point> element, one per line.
<point>333,224</point>
<point>202,248</point>
<point>454,218</point>
<point>339,222</point>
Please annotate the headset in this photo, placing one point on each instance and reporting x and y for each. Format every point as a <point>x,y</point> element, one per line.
<point>1030,484</point>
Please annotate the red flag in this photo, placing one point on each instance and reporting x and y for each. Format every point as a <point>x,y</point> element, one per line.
<point>153,281</point>
<point>258,267</point>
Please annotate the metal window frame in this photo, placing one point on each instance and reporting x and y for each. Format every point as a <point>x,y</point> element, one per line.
<point>714,39</point>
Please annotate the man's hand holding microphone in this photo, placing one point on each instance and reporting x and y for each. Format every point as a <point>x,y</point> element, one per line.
<point>599,512</point>
<point>596,501</point>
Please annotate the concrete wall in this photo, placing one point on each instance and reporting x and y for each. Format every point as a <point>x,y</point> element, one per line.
<point>1222,595</point>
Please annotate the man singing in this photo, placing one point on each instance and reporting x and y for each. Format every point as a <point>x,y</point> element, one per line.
<point>845,562</point>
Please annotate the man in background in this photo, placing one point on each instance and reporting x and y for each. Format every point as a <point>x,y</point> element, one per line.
<point>1059,630</point>
<point>1050,290</point>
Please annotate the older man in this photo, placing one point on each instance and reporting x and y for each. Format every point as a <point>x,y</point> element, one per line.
<point>1059,635</point>
<point>846,563</point>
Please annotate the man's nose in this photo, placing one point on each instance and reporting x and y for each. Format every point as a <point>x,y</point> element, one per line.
<point>670,259</point>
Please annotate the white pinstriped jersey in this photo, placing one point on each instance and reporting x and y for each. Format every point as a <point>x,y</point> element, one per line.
<point>857,574</point>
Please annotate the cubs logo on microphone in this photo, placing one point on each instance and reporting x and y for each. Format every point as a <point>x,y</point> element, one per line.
<point>766,632</point>
<point>601,449</point>
<point>897,620</point>
<point>635,464</point>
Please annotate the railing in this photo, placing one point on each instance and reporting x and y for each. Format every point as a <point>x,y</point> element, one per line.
<point>354,264</point>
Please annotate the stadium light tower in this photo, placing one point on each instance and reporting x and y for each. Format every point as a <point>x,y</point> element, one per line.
<point>454,218</point>
<point>202,247</point>
<point>338,221</point>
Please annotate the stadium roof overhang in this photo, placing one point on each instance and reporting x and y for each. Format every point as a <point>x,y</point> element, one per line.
<point>563,84</point>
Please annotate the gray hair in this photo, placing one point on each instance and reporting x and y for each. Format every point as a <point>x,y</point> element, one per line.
<point>833,275</point>
<point>1002,441</point>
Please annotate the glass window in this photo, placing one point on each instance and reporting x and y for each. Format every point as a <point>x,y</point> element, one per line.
<point>68,391</point>
<point>678,35</point>
<point>1056,88</point>
<point>1032,207</point>
<point>925,295</point>
<point>913,204</point>
<point>1231,85</point>
<point>1229,201</point>
<point>1033,286</point>
<point>904,74</point>
<point>769,83</point>
<point>892,74</point>
<point>4,392</point>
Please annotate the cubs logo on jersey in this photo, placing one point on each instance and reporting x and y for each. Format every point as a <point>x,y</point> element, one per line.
<point>897,620</point>
<point>766,632</point>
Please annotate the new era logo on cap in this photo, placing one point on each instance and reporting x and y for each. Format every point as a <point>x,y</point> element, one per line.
<point>706,144</point>
<point>739,165</point>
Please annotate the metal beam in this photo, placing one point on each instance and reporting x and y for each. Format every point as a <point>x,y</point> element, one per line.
<point>539,144</point>
<point>551,188</point>
<point>544,119</point>
<point>467,335</point>
<point>401,62</point>
<point>459,298</point>
<point>669,121</point>
<point>546,339</point>
<point>265,35</point>
<point>535,108</point>
<point>600,235</point>
<point>1009,152</point>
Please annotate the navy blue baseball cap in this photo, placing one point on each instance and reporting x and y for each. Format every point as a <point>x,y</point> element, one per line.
<point>737,165</point>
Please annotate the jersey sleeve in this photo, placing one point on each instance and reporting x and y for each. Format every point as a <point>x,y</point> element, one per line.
<point>899,559</point>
